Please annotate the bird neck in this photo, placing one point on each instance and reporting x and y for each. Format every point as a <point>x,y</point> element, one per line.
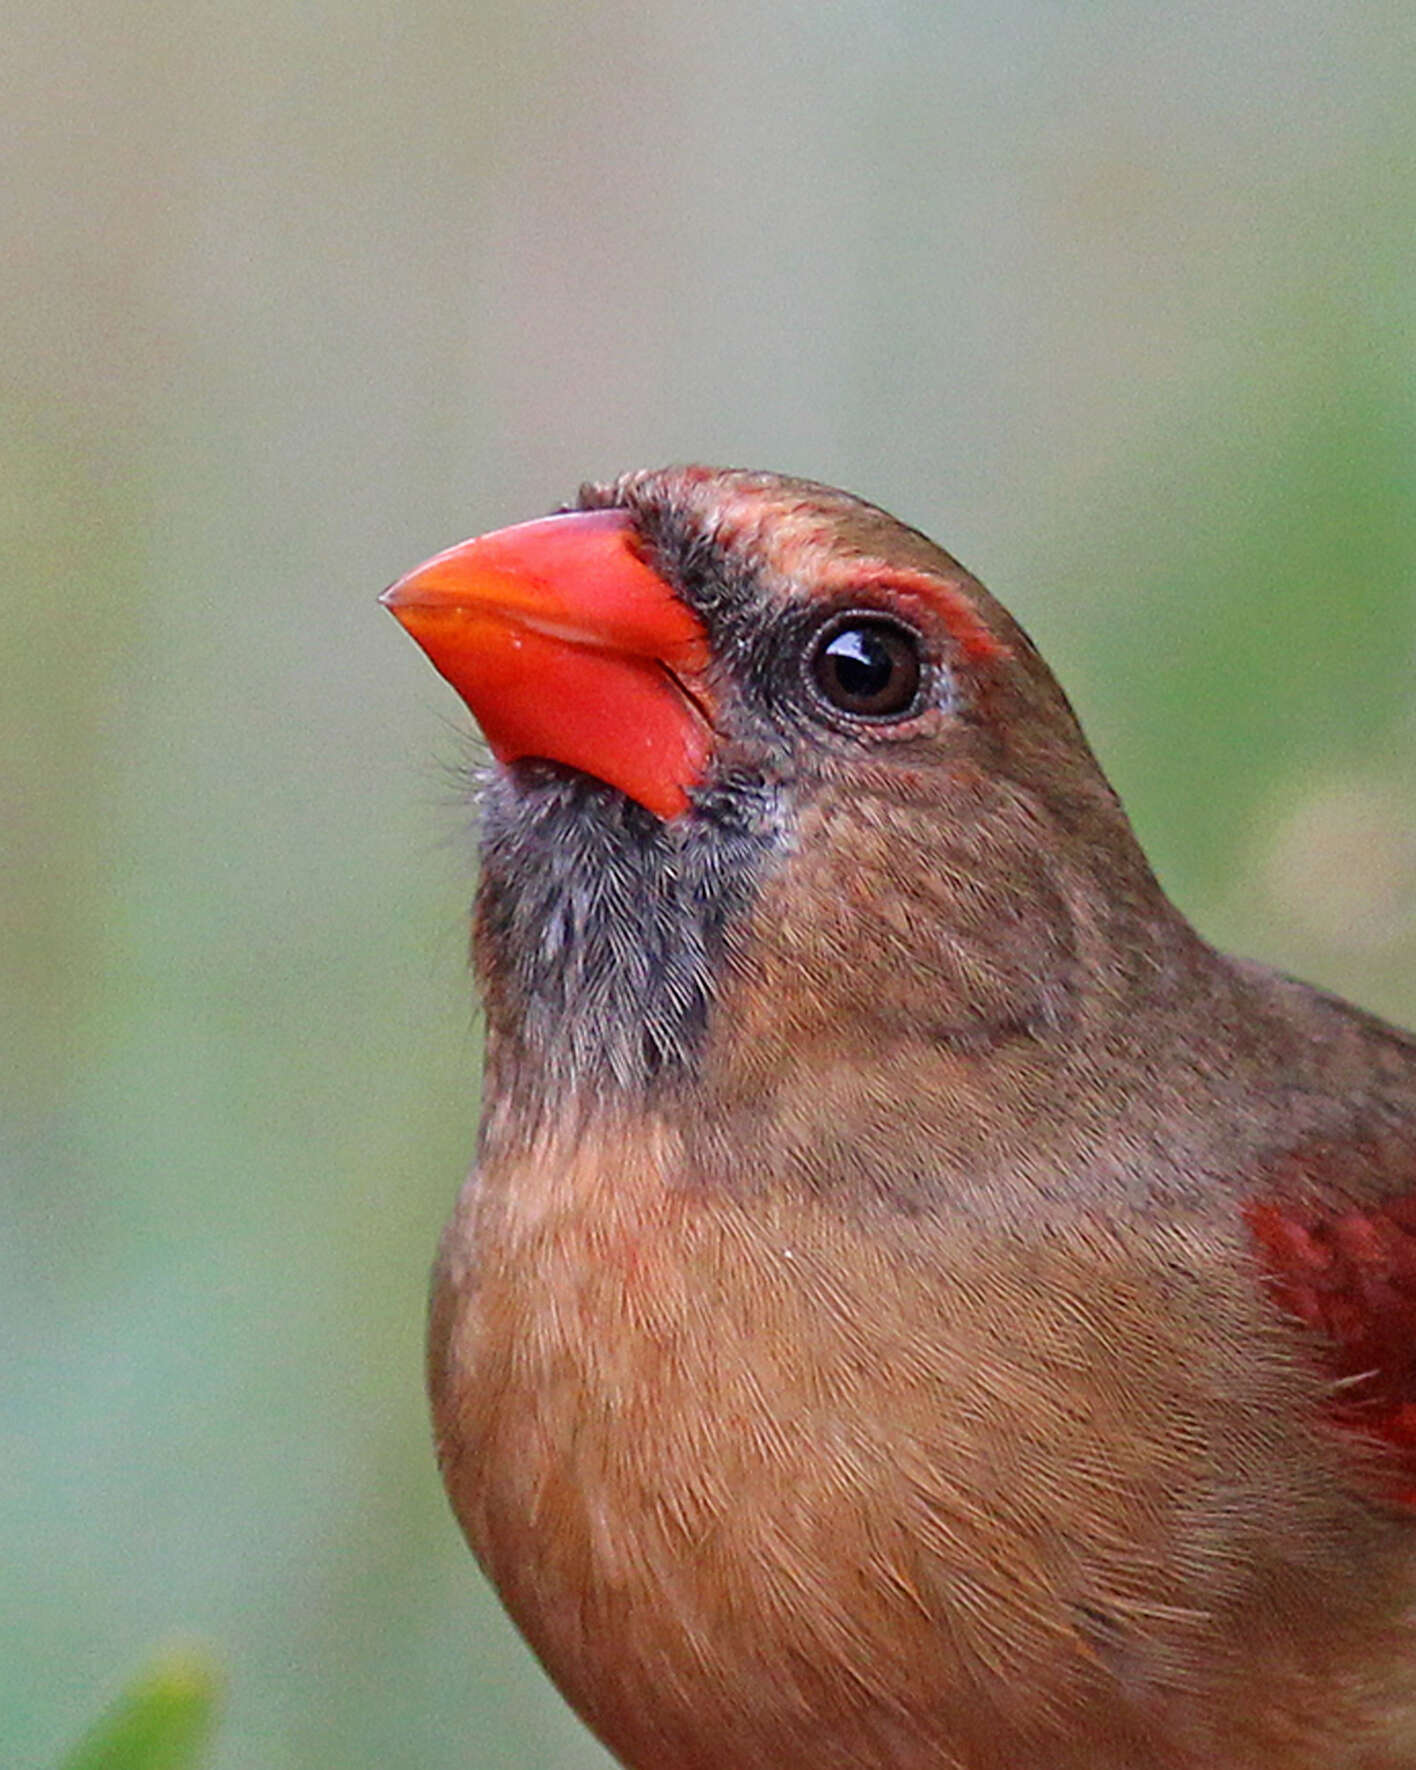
<point>600,937</point>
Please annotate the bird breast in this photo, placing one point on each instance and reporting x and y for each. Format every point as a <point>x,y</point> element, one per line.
<point>760,1489</point>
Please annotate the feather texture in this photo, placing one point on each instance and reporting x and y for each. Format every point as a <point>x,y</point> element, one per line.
<point>918,1305</point>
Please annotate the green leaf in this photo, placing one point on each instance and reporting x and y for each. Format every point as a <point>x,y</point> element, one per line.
<point>162,1722</point>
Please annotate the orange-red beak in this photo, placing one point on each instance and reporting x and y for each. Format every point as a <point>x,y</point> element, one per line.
<point>566,645</point>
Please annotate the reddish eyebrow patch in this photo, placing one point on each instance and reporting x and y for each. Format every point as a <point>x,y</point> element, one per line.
<point>1349,1274</point>
<point>807,540</point>
<point>977,642</point>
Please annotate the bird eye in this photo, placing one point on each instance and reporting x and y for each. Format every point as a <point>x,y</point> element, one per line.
<point>868,667</point>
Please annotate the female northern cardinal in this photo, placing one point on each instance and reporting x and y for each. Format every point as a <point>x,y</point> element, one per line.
<point>917,1304</point>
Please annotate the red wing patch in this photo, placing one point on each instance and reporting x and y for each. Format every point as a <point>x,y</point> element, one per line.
<point>1348,1272</point>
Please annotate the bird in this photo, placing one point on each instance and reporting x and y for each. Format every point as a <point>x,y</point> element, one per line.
<point>916,1303</point>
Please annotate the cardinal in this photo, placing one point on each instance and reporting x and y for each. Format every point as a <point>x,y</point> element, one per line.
<point>917,1306</point>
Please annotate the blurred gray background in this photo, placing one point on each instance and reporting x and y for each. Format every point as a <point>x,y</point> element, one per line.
<point>1115,300</point>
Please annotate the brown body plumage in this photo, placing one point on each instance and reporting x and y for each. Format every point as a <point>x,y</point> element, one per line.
<point>892,1342</point>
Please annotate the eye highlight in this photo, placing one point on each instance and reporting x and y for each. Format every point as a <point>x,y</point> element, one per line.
<point>867,666</point>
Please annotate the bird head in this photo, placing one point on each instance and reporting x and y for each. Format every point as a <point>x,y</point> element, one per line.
<point>773,774</point>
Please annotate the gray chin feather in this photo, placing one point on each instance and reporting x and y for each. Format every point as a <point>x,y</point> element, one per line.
<point>602,931</point>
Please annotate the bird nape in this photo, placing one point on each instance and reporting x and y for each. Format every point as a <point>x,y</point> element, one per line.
<point>916,1304</point>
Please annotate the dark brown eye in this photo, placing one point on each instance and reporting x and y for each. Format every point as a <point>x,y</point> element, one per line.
<point>868,667</point>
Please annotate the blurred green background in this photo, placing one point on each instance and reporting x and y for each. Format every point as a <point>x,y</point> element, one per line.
<point>1115,300</point>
